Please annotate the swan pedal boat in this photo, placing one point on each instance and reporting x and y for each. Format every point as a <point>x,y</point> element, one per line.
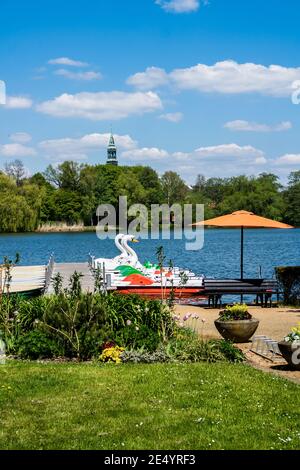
<point>129,276</point>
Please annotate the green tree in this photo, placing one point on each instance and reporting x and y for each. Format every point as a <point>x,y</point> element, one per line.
<point>292,199</point>
<point>65,176</point>
<point>174,188</point>
<point>261,195</point>
<point>67,207</point>
<point>19,205</point>
<point>151,184</point>
<point>15,170</point>
<point>129,185</point>
<point>200,184</point>
<point>105,184</point>
<point>39,180</point>
<point>215,189</point>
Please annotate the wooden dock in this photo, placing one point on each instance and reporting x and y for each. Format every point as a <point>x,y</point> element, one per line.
<point>38,279</point>
<point>26,279</point>
<point>67,269</point>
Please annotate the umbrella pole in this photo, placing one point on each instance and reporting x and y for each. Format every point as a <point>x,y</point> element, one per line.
<point>242,259</point>
<point>242,253</point>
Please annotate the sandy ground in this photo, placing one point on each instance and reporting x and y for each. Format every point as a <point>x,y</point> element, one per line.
<point>275,323</point>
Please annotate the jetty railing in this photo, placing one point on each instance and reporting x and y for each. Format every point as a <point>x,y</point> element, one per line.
<point>49,272</point>
<point>106,278</point>
<point>91,261</point>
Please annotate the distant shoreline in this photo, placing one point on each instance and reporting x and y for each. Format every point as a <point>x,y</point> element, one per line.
<point>63,228</point>
<point>92,229</point>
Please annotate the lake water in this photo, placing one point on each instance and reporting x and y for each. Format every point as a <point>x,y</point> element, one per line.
<point>220,256</point>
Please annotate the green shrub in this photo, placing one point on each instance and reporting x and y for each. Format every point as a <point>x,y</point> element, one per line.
<point>289,280</point>
<point>18,315</point>
<point>137,337</point>
<point>195,351</point>
<point>78,323</point>
<point>236,312</point>
<point>187,347</point>
<point>31,310</point>
<point>36,345</point>
<point>132,308</point>
<point>230,352</point>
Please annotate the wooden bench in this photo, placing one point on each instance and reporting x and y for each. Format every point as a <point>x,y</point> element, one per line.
<point>263,289</point>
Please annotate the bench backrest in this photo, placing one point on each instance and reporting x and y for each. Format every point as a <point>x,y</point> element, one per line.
<point>260,284</point>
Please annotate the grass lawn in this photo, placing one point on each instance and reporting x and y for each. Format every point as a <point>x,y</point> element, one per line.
<point>180,407</point>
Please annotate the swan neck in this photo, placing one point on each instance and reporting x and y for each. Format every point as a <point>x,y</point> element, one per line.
<point>130,251</point>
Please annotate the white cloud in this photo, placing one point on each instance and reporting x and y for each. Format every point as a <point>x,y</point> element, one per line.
<point>85,76</point>
<point>246,126</point>
<point>78,149</point>
<point>18,102</point>
<point>145,154</point>
<point>288,160</point>
<point>16,150</point>
<point>229,150</point>
<point>67,61</point>
<point>102,106</point>
<point>20,137</point>
<point>179,6</point>
<point>228,77</point>
<point>260,161</point>
<point>153,77</point>
<point>181,155</point>
<point>172,117</point>
<point>219,160</point>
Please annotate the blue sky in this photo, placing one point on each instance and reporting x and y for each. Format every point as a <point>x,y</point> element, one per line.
<point>188,85</point>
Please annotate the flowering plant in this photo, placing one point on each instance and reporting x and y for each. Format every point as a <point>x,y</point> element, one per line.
<point>294,336</point>
<point>236,312</point>
<point>112,355</point>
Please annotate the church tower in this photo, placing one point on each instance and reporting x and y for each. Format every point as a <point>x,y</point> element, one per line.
<point>112,158</point>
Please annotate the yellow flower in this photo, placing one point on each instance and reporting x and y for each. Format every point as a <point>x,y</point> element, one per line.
<point>112,355</point>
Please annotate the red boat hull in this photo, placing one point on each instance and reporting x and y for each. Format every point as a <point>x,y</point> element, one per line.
<point>156,292</point>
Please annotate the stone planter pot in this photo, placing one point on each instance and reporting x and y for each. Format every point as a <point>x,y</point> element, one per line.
<point>238,331</point>
<point>291,353</point>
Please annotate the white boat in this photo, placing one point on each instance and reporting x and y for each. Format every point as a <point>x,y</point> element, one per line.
<point>128,275</point>
<point>127,256</point>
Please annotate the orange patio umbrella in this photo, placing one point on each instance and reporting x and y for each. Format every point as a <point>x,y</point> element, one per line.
<point>242,220</point>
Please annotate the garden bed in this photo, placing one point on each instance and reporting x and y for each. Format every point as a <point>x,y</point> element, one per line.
<point>105,328</point>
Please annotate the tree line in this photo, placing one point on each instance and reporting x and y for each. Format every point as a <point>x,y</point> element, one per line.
<point>71,193</point>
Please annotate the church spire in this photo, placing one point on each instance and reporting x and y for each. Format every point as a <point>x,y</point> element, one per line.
<point>112,158</point>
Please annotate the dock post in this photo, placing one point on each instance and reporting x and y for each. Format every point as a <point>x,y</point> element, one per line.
<point>108,281</point>
<point>48,272</point>
<point>104,279</point>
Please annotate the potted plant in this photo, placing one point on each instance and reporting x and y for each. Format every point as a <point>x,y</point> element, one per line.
<point>236,324</point>
<point>290,348</point>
